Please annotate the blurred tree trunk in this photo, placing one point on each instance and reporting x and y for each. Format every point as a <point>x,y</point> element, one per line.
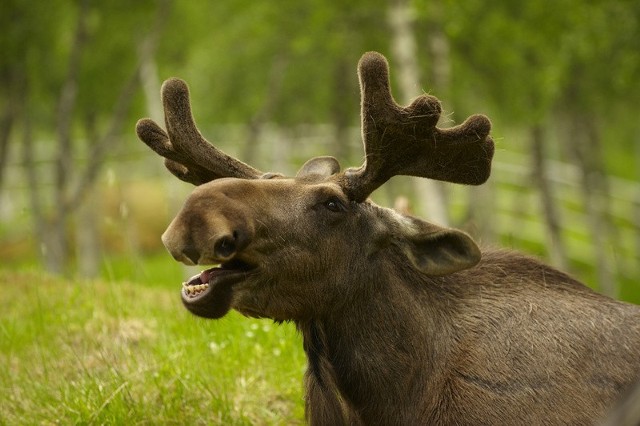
<point>56,246</point>
<point>48,236</point>
<point>341,110</point>
<point>88,247</point>
<point>33,183</point>
<point>264,114</point>
<point>401,20</point>
<point>148,69</point>
<point>439,54</point>
<point>6,123</point>
<point>70,193</point>
<point>15,85</point>
<point>555,242</point>
<point>88,235</point>
<point>587,151</point>
<point>83,197</point>
<point>480,214</point>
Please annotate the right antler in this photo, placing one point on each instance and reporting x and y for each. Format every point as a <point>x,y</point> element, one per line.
<point>187,154</point>
<point>406,141</point>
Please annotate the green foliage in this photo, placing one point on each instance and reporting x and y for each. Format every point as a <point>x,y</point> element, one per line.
<point>122,353</point>
<point>122,350</point>
<point>519,56</point>
<point>522,63</point>
<point>229,54</point>
<point>537,58</point>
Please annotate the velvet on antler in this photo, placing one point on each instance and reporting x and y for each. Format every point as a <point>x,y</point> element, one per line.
<point>397,140</point>
<point>188,155</point>
<point>405,140</point>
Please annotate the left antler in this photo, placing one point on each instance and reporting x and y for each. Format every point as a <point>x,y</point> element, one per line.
<point>406,141</point>
<point>187,154</point>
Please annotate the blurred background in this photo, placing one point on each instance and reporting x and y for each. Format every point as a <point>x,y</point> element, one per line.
<point>274,83</point>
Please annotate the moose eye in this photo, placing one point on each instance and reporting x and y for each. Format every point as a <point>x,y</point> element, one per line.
<point>335,205</point>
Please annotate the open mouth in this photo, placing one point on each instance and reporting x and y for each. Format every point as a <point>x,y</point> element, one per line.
<point>208,294</point>
<point>198,284</point>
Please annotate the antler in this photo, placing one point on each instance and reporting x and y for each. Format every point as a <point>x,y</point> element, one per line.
<point>397,140</point>
<point>406,141</point>
<point>187,154</point>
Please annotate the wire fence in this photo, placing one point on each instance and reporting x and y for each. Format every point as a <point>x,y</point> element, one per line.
<point>511,200</point>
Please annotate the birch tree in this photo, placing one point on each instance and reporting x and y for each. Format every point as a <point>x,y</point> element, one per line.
<point>405,53</point>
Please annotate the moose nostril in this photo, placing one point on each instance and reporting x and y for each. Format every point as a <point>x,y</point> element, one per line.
<point>225,246</point>
<point>192,254</point>
<point>241,238</point>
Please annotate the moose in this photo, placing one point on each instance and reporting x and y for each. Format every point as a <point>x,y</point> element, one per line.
<point>403,322</point>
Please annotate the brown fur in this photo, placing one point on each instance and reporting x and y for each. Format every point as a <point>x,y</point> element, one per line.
<point>402,321</point>
<point>508,341</point>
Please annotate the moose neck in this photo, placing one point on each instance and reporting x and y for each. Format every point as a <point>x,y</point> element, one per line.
<point>365,349</point>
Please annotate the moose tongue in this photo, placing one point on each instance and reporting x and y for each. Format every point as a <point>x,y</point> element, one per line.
<point>205,276</point>
<point>208,274</point>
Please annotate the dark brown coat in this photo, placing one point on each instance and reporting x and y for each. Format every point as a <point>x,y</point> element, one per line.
<point>404,322</point>
<point>389,338</point>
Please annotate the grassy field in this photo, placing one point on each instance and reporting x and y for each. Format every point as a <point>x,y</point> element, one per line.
<point>117,352</point>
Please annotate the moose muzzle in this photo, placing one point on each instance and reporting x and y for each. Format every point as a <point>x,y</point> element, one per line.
<point>206,238</point>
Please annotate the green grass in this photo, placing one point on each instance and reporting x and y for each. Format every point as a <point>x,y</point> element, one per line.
<point>117,352</point>
<point>155,269</point>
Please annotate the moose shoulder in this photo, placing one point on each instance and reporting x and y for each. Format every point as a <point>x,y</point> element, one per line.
<point>403,321</point>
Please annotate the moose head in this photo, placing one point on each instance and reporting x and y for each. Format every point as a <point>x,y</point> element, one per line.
<point>286,246</point>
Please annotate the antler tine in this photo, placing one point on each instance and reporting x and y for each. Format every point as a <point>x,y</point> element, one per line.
<point>405,140</point>
<point>188,155</point>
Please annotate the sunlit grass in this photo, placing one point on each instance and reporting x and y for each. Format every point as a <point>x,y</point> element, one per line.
<point>116,352</point>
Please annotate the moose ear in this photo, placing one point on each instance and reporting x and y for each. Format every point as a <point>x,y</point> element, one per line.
<point>322,167</point>
<point>439,251</point>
